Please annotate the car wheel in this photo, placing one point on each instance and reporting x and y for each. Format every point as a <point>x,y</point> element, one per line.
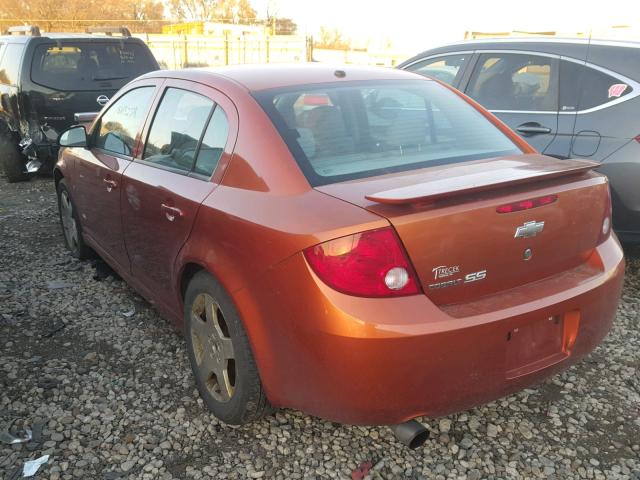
<point>11,160</point>
<point>221,358</point>
<point>71,228</point>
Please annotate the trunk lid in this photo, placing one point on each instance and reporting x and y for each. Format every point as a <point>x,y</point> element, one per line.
<point>459,244</point>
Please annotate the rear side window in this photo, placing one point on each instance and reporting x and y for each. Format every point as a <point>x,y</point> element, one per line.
<point>447,69</point>
<point>10,63</point>
<point>89,65</point>
<point>177,128</point>
<point>213,143</point>
<point>362,129</point>
<point>583,87</point>
<point>509,81</point>
<point>118,127</point>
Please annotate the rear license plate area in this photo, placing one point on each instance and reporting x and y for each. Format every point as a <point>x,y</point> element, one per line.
<point>540,344</point>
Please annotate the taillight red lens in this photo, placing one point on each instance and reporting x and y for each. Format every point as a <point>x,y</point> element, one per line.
<point>527,204</point>
<point>367,264</point>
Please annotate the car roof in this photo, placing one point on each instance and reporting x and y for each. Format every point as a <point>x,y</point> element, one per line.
<point>547,40</point>
<point>266,76</point>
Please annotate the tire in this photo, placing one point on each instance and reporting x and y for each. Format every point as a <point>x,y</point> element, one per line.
<point>11,161</point>
<point>220,354</point>
<point>71,228</point>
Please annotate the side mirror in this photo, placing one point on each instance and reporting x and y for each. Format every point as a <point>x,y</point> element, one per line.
<point>73,137</point>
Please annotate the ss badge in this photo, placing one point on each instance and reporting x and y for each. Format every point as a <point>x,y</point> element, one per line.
<point>474,277</point>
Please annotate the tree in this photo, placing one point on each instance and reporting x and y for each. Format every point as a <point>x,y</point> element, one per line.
<point>148,10</point>
<point>79,14</point>
<point>331,38</point>
<point>283,26</point>
<point>235,11</point>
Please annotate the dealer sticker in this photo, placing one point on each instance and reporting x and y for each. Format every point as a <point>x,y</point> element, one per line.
<point>615,91</point>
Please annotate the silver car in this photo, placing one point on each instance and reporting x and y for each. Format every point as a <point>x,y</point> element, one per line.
<point>569,98</point>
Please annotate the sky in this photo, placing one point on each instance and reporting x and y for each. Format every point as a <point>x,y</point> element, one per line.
<point>415,25</point>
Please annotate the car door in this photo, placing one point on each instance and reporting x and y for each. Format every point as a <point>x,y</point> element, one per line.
<point>111,148</point>
<point>521,89</point>
<point>448,68</point>
<point>165,186</point>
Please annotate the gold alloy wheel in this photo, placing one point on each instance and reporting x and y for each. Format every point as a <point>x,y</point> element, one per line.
<point>68,222</point>
<point>212,348</point>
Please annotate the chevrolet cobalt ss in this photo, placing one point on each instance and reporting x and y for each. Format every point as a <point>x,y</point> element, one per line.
<point>362,244</point>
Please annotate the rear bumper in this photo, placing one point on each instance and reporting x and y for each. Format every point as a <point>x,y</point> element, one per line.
<point>384,361</point>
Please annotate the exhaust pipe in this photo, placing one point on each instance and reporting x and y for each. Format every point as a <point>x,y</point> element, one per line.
<point>413,434</point>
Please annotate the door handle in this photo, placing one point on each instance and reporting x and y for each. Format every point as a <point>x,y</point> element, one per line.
<point>111,184</point>
<point>532,128</point>
<point>171,212</point>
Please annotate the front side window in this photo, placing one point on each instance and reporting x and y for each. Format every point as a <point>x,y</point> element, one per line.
<point>583,87</point>
<point>447,69</point>
<point>176,129</point>
<point>89,65</point>
<point>372,128</point>
<point>510,81</point>
<point>118,127</point>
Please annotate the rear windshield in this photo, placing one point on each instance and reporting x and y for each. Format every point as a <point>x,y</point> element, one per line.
<point>339,132</point>
<point>89,65</point>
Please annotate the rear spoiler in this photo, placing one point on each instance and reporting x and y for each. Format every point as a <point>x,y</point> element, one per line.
<point>483,176</point>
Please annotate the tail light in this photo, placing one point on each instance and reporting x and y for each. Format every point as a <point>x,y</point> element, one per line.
<point>367,264</point>
<point>527,204</point>
<point>606,218</point>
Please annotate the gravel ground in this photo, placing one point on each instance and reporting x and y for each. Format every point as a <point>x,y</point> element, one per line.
<point>109,394</point>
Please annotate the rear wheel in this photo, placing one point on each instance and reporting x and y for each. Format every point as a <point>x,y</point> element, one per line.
<point>220,355</point>
<point>11,160</point>
<point>70,224</point>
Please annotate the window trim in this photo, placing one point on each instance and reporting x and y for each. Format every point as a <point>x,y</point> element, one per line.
<point>429,57</point>
<point>632,83</point>
<point>98,123</point>
<point>465,66</point>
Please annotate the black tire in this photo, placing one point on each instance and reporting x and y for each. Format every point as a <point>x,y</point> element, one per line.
<point>71,228</point>
<point>246,400</point>
<point>11,160</point>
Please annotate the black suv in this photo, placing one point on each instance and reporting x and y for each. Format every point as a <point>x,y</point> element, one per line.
<point>46,79</point>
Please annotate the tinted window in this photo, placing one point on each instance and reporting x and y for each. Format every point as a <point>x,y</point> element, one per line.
<point>10,64</point>
<point>116,132</point>
<point>213,143</point>
<point>89,66</point>
<point>583,87</point>
<point>515,82</point>
<point>177,128</point>
<point>446,69</point>
<point>371,128</point>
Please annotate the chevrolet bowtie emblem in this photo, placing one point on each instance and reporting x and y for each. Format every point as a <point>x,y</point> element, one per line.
<point>529,229</point>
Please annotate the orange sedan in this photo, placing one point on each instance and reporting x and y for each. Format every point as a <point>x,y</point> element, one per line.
<point>362,244</point>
